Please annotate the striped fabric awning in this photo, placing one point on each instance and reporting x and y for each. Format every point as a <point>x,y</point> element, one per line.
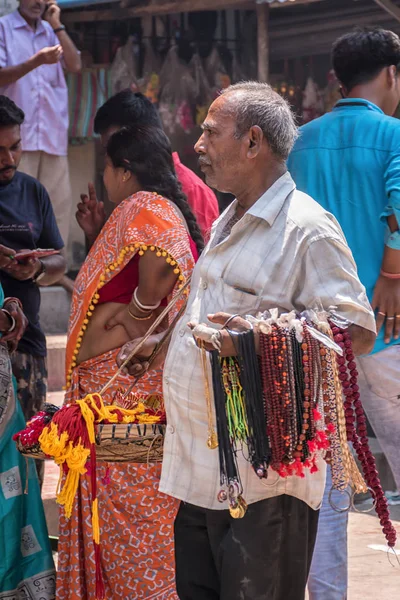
<point>87,91</point>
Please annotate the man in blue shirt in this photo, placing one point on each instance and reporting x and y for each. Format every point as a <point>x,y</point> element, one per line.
<point>349,161</point>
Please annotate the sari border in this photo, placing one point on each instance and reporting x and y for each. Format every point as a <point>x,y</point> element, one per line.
<point>7,395</point>
<point>143,222</point>
<point>38,587</point>
<point>110,271</point>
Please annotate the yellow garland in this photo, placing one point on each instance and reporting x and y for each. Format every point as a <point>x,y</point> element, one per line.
<point>62,449</point>
<point>95,521</point>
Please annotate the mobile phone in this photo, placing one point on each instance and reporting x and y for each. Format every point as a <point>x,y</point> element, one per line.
<point>24,255</point>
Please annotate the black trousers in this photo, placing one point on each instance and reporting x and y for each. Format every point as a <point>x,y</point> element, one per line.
<point>264,556</point>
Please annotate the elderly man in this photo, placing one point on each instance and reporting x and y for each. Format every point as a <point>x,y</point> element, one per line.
<point>33,47</point>
<point>273,247</point>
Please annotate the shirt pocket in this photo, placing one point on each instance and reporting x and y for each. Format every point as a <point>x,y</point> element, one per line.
<point>235,298</point>
<point>50,74</point>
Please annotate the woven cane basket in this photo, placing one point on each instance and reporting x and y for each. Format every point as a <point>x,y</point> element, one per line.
<point>119,443</point>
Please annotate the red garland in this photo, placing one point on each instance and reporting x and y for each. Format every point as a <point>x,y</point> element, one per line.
<point>356,427</point>
<point>29,436</point>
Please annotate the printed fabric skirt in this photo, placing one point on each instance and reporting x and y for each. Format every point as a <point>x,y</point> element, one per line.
<point>136,523</point>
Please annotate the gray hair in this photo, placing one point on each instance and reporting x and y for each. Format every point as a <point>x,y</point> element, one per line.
<point>257,104</point>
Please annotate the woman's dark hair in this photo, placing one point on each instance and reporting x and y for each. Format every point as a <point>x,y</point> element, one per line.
<point>126,109</point>
<point>359,56</point>
<point>10,113</point>
<point>146,152</point>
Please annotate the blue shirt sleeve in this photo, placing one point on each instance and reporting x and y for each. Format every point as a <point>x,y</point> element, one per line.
<point>50,236</point>
<point>392,187</point>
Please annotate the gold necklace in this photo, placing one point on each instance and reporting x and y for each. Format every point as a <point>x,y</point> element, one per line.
<point>212,438</point>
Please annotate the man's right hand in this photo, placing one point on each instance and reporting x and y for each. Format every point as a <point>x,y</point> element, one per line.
<point>50,55</point>
<point>90,215</point>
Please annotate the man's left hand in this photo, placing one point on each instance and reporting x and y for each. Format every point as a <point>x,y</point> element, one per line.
<point>25,270</point>
<point>21,323</point>
<point>386,303</point>
<point>53,15</point>
<point>236,324</point>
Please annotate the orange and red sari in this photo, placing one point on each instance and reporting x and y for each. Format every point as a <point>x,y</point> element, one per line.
<point>136,520</point>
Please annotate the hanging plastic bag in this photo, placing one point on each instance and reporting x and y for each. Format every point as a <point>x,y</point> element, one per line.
<point>178,95</point>
<point>123,68</point>
<point>149,84</point>
<point>237,70</point>
<point>331,92</point>
<point>312,101</point>
<point>204,95</point>
<point>217,74</point>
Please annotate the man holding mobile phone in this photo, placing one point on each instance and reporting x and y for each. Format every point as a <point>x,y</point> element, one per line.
<point>34,48</point>
<point>26,222</point>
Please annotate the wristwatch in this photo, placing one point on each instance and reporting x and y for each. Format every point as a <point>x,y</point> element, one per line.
<point>41,273</point>
<point>58,29</point>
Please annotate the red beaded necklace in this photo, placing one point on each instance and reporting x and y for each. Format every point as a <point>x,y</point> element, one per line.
<point>356,427</point>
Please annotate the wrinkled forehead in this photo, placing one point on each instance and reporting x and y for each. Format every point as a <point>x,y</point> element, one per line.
<point>221,114</point>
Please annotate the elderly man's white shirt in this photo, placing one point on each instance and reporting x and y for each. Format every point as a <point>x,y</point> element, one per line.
<point>286,252</point>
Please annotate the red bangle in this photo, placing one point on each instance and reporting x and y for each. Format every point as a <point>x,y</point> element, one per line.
<point>17,300</point>
<point>390,275</point>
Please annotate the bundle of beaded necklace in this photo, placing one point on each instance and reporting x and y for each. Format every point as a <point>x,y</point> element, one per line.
<point>284,408</point>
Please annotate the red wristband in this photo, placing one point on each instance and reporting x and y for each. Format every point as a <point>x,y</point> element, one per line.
<point>390,275</point>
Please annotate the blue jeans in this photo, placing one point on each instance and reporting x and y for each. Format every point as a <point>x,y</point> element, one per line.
<point>379,381</point>
<point>328,575</point>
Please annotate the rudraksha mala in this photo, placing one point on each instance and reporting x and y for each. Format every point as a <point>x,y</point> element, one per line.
<point>356,428</point>
<point>284,409</point>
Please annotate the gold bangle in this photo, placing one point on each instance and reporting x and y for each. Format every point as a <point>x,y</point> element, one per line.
<point>139,318</point>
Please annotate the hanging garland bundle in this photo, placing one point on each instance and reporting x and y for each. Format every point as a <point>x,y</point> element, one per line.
<point>241,417</point>
<point>284,409</point>
<point>356,429</point>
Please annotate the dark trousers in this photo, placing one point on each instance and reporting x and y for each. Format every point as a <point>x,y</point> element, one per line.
<point>264,556</point>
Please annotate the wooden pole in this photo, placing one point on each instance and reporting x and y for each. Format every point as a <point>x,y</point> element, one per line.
<point>390,7</point>
<point>263,41</point>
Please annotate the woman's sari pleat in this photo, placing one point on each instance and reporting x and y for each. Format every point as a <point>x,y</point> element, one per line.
<point>136,520</point>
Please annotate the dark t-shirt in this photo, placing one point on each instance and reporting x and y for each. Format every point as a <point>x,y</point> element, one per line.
<point>26,222</point>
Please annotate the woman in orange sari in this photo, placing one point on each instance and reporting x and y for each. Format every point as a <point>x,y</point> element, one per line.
<point>144,253</point>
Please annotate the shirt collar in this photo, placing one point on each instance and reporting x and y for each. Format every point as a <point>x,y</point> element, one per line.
<point>357,103</point>
<point>269,205</point>
<point>19,22</point>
